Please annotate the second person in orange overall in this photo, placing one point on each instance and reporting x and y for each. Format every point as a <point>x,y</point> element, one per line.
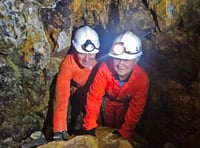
<point>121,85</point>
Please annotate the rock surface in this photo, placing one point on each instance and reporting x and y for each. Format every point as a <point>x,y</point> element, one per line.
<point>103,139</point>
<point>35,36</point>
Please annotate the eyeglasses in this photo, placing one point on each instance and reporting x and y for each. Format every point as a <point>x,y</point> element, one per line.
<point>119,49</point>
<point>88,46</point>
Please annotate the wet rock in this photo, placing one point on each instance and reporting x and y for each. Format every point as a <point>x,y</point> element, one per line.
<point>32,46</point>
<point>139,18</point>
<point>102,140</point>
<point>37,138</point>
<point>2,61</point>
<point>6,46</point>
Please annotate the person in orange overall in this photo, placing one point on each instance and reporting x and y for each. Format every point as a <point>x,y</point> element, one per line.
<point>121,85</point>
<point>75,75</point>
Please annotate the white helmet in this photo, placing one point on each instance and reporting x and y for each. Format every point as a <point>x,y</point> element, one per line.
<point>126,46</point>
<point>86,40</point>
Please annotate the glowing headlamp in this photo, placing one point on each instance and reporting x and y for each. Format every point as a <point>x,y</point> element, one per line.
<point>119,49</point>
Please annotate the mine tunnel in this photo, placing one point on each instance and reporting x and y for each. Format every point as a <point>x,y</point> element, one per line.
<point>35,37</point>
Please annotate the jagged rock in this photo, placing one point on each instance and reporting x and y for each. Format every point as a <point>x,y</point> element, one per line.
<point>103,139</point>
<point>31,41</point>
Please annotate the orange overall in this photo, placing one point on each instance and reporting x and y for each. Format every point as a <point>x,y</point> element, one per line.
<point>124,105</point>
<point>69,71</point>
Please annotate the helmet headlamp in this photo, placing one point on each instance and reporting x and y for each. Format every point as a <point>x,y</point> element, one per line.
<point>88,46</point>
<point>119,49</point>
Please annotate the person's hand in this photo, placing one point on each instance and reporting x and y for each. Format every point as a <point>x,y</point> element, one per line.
<point>91,132</point>
<point>61,136</point>
<point>114,135</point>
<point>88,132</point>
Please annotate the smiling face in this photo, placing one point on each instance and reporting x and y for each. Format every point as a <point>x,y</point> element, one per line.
<point>85,60</point>
<point>123,67</point>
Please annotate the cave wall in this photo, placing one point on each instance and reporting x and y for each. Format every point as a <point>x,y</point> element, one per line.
<point>36,35</point>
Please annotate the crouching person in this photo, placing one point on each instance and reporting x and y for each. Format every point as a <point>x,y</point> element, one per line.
<point>120,86</point>
<point>73,81</point>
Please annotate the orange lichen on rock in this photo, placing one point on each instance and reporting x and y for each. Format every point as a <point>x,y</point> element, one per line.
<point>91,11</point>
<point>27,49</point>
<point>101,9</point>
<point>168,11</point>
<point>77,11</point>
<point>52,36</point>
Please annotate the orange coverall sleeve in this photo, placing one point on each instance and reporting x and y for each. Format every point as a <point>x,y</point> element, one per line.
<point>94,98</point>
<point>62,95</point>
<point>136,106</point>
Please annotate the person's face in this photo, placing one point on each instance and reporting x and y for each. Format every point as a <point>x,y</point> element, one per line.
<point>86,60</point>
<point>123,67</point>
